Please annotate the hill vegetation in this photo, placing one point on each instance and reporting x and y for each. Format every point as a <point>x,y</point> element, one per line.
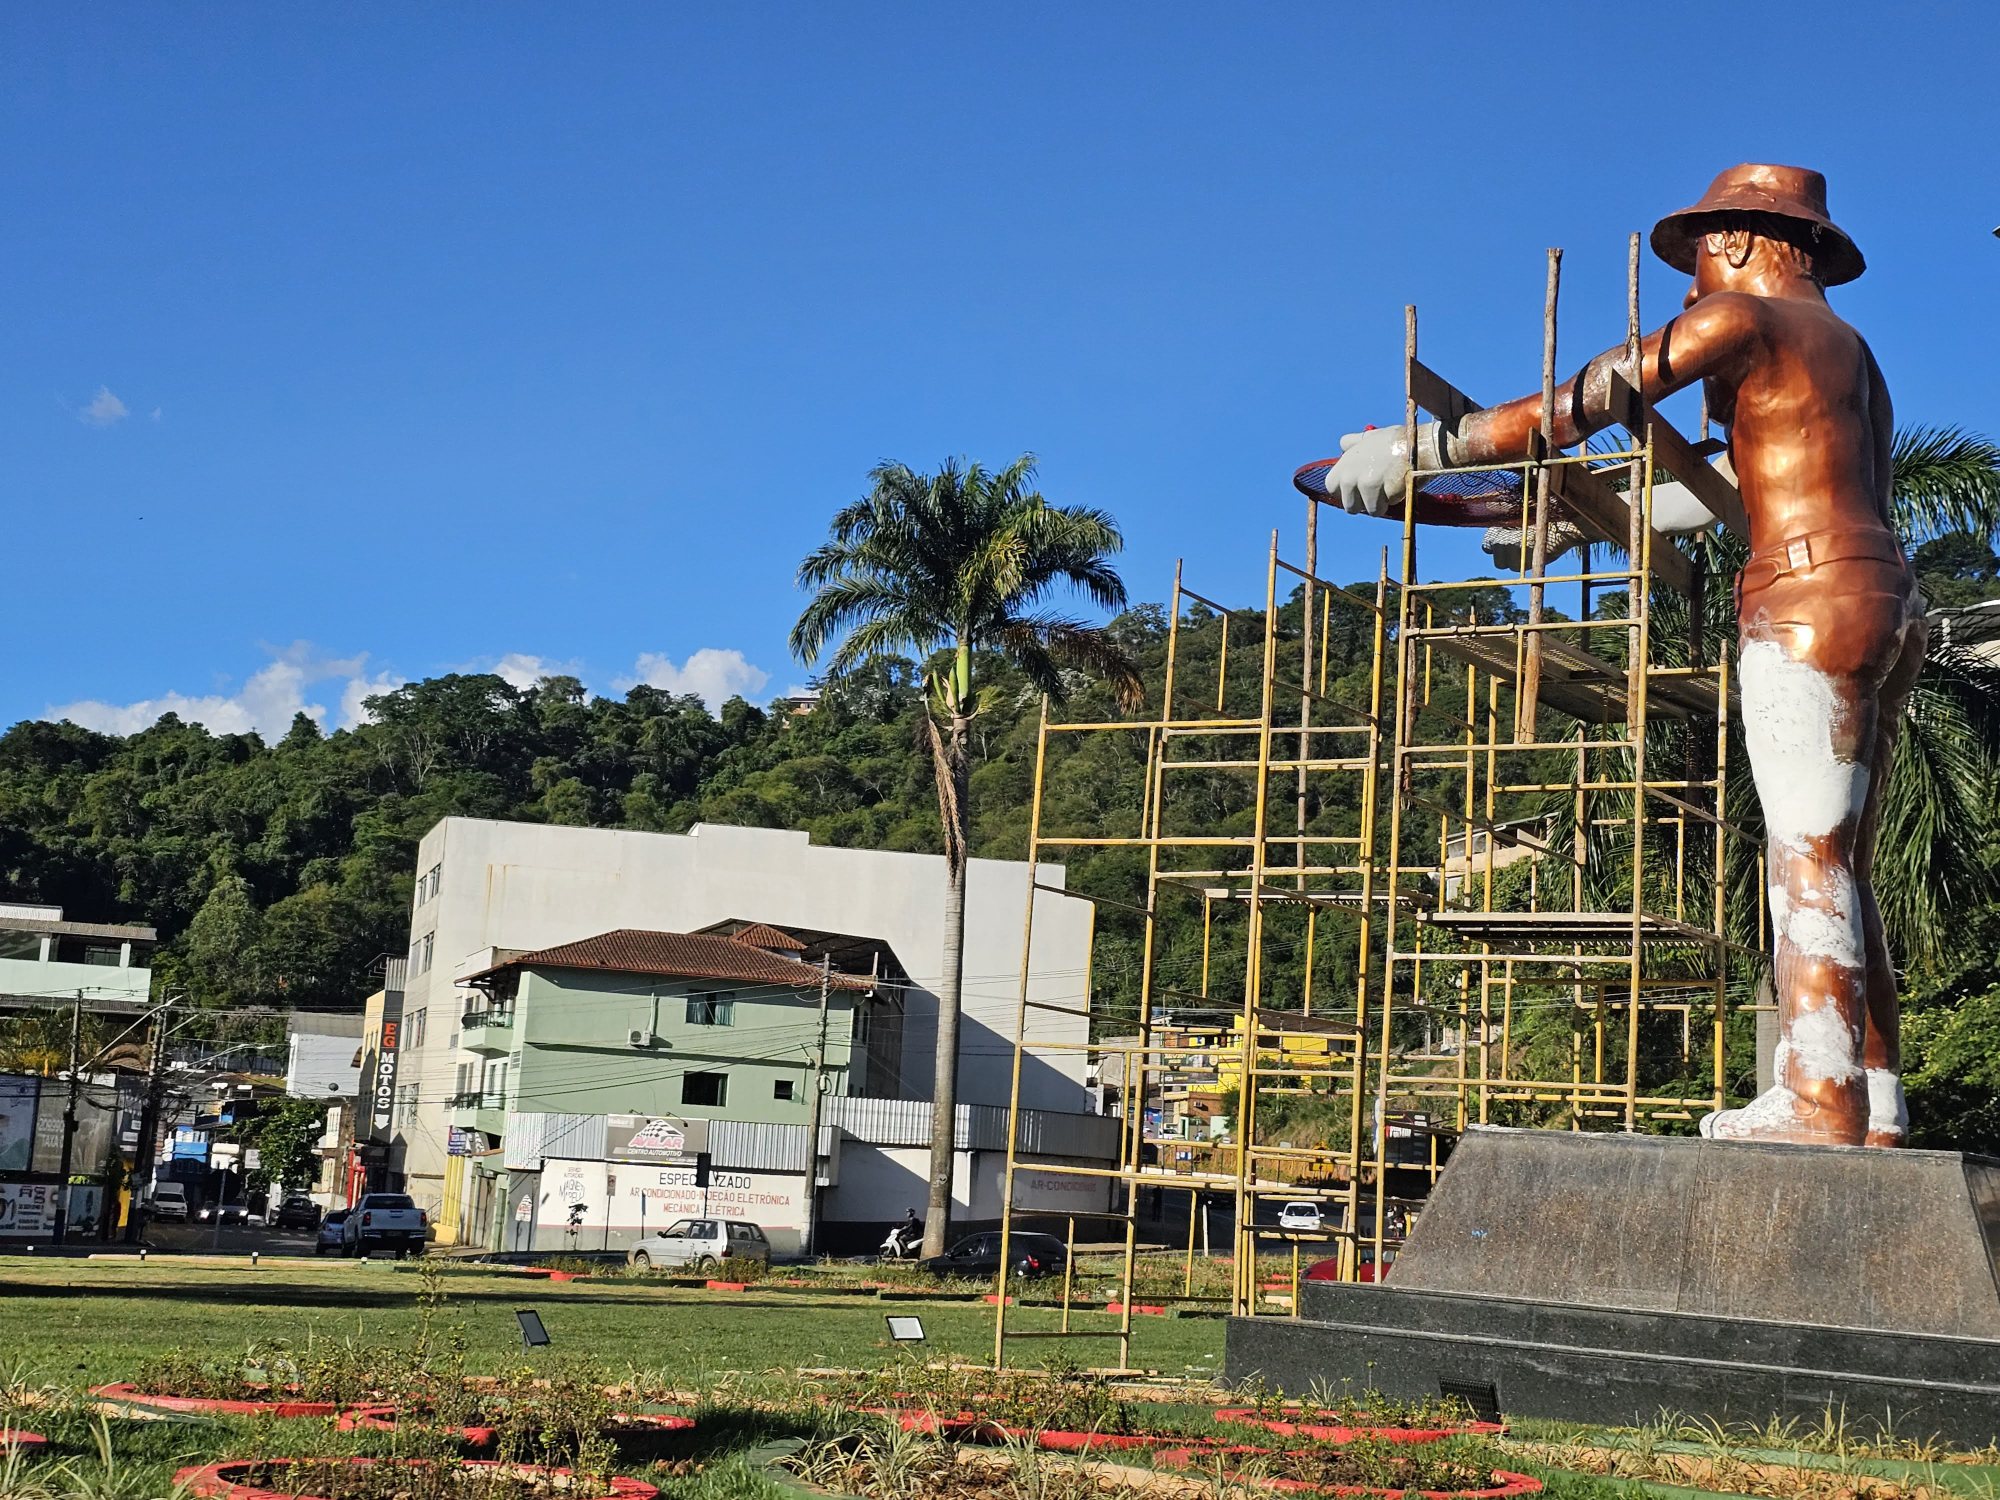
<point>280,873</point>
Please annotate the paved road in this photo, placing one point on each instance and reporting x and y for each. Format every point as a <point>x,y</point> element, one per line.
<point>236,1238</point>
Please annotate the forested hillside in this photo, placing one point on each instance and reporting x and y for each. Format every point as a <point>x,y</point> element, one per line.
<point>279,873</point>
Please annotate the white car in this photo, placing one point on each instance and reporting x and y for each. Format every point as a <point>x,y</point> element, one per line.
<point>701,1243</point>
<point>1304,1216</point>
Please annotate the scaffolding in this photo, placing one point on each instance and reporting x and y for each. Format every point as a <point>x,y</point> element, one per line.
<point>1513,851</point>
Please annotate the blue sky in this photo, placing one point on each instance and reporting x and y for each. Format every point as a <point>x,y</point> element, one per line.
<point>351,345</point>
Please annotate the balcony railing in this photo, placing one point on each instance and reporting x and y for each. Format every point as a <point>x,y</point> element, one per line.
<point>473,1018</point>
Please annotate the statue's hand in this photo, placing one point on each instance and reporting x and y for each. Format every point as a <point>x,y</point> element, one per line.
<point>1374,467</point>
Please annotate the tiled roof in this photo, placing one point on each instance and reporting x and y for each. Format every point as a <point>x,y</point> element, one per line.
<point>681,955</point>
<point>763,935</point>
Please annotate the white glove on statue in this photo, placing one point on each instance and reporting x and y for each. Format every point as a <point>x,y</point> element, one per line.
<point>1374,467</point>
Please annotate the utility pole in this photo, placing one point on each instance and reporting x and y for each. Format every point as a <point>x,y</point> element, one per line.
<point>813,1106</point>
<point>149,1125</point>
<point>69,1118</point>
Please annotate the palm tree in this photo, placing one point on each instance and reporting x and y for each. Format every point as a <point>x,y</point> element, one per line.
<point>943,567</point>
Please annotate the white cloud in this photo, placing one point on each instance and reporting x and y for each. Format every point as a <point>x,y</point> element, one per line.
<point>710,674</point>
<point>105,409</point>
<point>522,671</point>
<point>355,695</point>
<point>266,703</point>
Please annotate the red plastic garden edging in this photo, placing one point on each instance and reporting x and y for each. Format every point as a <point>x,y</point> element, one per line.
<point>1323,1432</point>
<point>387,1418</point>
<point>14,1437</point>
<point>1184,1458</point>
<point>213,1405</point>
<point>936,1424</point>
<point>224,1481</point>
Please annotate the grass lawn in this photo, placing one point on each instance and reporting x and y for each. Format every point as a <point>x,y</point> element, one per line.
<point>92,1321</point>
<point>75,1323</point>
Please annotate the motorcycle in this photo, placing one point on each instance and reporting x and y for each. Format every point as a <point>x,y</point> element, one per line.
<point>903,1242</point>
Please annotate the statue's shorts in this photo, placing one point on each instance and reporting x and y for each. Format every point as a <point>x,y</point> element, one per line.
<point>1843,602</point>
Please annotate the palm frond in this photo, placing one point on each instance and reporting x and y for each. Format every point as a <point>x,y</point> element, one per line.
<point>1945,479</point>
<point>924,562</point>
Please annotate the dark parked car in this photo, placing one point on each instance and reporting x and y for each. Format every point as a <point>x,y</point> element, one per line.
<point>296,1213</point>
<point>978,1255</point>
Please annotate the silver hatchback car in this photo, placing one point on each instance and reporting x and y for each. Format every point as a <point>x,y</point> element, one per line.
<point>701,1243</point>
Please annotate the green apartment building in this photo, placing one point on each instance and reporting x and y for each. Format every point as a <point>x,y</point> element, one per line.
<point>696,1025</point>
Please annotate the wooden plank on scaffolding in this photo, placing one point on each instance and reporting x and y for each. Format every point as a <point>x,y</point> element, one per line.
<point>1519,927</point>
<point>1679,457</point>
<point>1578,683</point>
<point>1600,511</point>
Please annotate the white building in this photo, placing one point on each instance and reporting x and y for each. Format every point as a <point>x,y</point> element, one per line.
<point>488,889</point>
<point>323,1055</point>
<point>45,960</point>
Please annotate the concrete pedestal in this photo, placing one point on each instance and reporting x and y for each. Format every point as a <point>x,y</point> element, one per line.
<point>1609,1278</point>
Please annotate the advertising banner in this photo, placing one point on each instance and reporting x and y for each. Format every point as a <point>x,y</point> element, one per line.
<point>96,1113</point>
<point>27,1209</point>
<point>17,1121</point>
<point>656,1196</point>
<point>1059,1192</point>
<point>378,1067</point>
<point>619,1199</point>
<point>654,1138</point>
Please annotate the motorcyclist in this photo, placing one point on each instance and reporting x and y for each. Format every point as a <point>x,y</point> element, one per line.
<point>905,1237</point>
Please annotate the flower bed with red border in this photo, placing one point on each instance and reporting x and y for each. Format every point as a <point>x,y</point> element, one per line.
<point>958,1424</point>
<point>1505,1486</point>
<point>239,1479</point>
<point>218,1406</point>
<point>388,1418</point>
<point>481,1435</point>
<point>1057,1441</point>
<point>1336,1431</point>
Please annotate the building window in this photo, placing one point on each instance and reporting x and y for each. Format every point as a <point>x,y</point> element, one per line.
<point>718,1009</point>
<point>710,1089</point>
<point>782,1089</point>
<point>414,1028</point>
<point>406,1104</point>
<point>23,945</point>
<point>427,884</point>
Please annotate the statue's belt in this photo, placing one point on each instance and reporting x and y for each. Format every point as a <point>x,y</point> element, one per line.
<point>1801,554</point>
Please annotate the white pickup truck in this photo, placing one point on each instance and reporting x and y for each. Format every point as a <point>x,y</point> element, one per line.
<point>385,1222</point>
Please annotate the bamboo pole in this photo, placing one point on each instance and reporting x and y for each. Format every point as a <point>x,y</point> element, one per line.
<point>1531,666</point>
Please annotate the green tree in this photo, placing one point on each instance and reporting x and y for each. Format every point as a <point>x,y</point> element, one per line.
<point>286,1136</point>
<point>949,567</point>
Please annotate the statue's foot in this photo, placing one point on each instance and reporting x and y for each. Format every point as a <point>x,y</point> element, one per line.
<point>1888,1115</point>
<point>1778,1114</point>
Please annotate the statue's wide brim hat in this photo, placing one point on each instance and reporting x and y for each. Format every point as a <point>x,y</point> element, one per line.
<point>1794,193</point>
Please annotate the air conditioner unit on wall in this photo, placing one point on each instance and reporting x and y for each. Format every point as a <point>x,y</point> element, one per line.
<point>639,1038</point>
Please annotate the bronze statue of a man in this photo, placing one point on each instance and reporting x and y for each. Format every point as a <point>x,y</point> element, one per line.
<point>1831,628</point>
